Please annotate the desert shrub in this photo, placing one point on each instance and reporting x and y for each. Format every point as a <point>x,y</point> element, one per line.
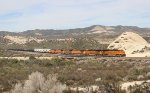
<point>37,83</point>
<point>148,75</point>
<point>140,77</point>
<point>60,62</point>
<point>32,58</point>
<point>132,77</point>
<point>85,43</point>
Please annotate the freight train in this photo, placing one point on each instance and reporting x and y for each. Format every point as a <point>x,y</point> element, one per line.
<point>106,53</point>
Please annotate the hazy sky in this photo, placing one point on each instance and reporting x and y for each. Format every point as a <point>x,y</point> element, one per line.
<point>20,15</point>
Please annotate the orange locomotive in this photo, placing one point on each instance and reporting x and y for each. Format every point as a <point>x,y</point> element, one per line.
<point>115,53</point>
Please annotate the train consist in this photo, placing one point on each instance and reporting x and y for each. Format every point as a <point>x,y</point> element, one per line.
<point>107,53</point>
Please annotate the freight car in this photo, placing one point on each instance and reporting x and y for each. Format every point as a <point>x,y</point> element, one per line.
<point>28,50</point>
<point>41,50</point>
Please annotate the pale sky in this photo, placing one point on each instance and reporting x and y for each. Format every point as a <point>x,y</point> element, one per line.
<point>20,15</point>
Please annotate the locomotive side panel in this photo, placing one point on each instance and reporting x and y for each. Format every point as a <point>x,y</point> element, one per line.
<point>66,51</point>
<point>88,52</point>
<point>76,51</point>
<point>58,51</point>
<point>51,51</point>
<point>113,53</point>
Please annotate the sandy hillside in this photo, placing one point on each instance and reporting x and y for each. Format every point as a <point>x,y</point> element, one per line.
<point>133,44</point>
<point>21,39</point>
<point>99,29</point>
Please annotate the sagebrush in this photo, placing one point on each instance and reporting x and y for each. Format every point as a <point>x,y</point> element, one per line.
<point>37,83</point>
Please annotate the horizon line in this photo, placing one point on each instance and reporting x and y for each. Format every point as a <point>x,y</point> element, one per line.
<point>80,27</point>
